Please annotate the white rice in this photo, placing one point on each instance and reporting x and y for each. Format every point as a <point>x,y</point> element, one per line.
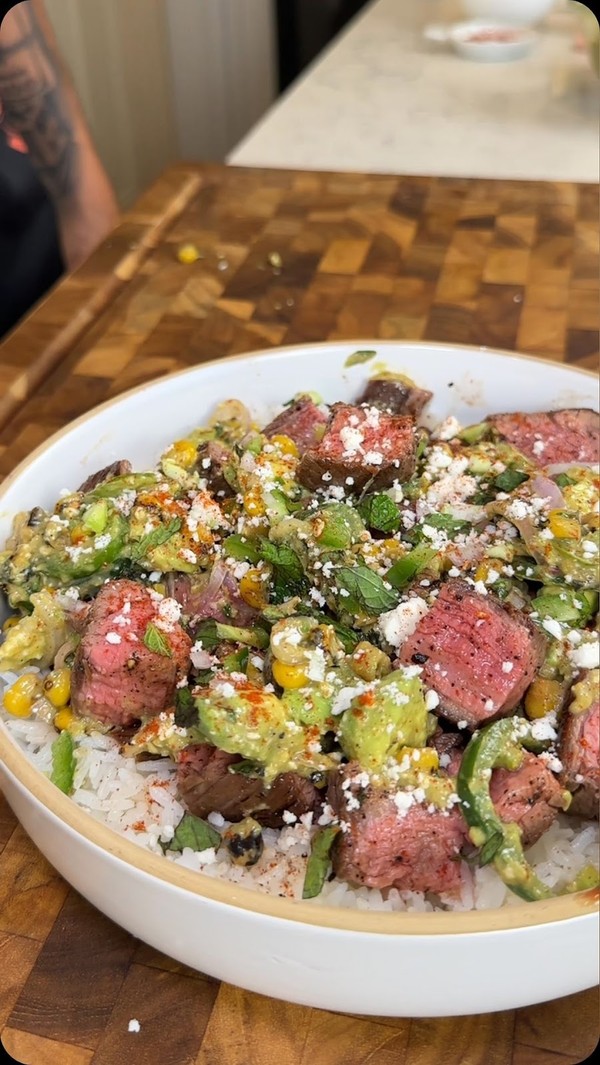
<point>138,800</point>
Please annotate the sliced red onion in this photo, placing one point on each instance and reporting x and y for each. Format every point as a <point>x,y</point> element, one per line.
<point>544,488</point>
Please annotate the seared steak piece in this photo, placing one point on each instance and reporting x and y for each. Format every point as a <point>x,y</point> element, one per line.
<point>213,458</point>
<point>530,795</point>
<point>571,435</point>
<point>205,785</point>
<point>116,469</point>
<point>397,397</point>
<point>361,446</point>
<point>116,677</point>
<point>580,756</point>
<point>478,656</point>
<point>450,746</point>
<point>302,421</point>
<point>413,850</point>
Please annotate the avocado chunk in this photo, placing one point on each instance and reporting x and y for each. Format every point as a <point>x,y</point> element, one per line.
<point>388,715</point>
<point>242,718</point>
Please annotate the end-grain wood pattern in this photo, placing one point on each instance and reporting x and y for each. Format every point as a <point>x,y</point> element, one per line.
<point>507,264</point>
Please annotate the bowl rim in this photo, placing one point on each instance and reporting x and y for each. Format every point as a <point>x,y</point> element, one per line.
<point>510,918</point>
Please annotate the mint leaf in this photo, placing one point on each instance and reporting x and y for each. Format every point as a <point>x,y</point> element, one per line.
<point>318,864</point>
<point>156,641</point>
<point>366,587</point>
<point>380,512</point>
<point>359,356</point>
<point>288,574</point>
<point>153,539</point>
<point>63,762</point>
<point>195,833</point>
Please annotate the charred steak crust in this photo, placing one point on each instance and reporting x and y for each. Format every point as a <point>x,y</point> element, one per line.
<point>206,785</point>
<point>396,396</point>
<point>116,469</point>
<point>462,643</point>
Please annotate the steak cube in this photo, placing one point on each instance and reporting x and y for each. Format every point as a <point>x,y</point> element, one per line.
<point>303,421</point>
<point>478,656</point>
<point>531,796</point>
<point>206,785</point>
<point>413,849</point>
<point>361,445</point>
<point>571,435</point>
<point>394,395</point>
<point>116,677</point>
<point>580,756</point>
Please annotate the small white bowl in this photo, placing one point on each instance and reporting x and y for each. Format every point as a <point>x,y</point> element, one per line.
<point>485,42</point>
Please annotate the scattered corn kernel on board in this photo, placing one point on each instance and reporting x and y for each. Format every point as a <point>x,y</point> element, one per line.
<point>214,261</point>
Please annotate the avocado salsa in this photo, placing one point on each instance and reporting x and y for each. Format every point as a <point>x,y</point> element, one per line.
<point>342,617</point>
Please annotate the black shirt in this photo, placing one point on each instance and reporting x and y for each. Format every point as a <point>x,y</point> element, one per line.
<point>30,257</point>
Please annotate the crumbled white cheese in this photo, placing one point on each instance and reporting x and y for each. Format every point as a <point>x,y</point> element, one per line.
<point>113,637</point>
<point>507,667</point>
<point>553,627</point>
<point>432,700</point>
<point>447,429</point>
<point>134,1025</point>
<point>585,656</point>
<point>398,624</point>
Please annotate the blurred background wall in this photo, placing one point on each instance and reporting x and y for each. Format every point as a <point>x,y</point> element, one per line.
<point>162,80</point>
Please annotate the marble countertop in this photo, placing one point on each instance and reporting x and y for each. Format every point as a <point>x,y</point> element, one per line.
<point>383,99</point>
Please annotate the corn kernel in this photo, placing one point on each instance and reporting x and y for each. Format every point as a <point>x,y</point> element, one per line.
<point>254,504</point>
<point>188,254</point>
<point>57,687</point>
<point>253,589</point>
<point>543,696</point>
<point>424,758</point>
<point>289,676</point>
<point>564,526</point>
<point>19,698</point>
<point>482,572</point>
<point>286,445</point>
<point>184,452</point>
<point>63,719</point>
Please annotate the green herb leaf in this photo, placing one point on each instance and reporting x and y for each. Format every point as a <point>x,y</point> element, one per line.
<point>247,768</point>
<point>360,356</point>
<point>158,536</point>
<point>563,480</point>
<point>237,661</point>
<point>186,714</point>
<point>288,574</point>
<point>195,833</point>
<point>319,861</point>
<point>490,848</point>
<point>508,480</point>
<point>367,588</point>
<point>446,523</point>
<point>206,633</point>
<point>156,641</point>
<point>63,762</point>
<point>241,548</point>
<point>380,512</point>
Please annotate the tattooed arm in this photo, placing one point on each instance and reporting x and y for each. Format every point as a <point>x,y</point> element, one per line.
<point>39,103</point>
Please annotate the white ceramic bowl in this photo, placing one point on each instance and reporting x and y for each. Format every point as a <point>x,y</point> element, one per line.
<point>519,12</point>
<point>405,964</point>
<point>485,41</point>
